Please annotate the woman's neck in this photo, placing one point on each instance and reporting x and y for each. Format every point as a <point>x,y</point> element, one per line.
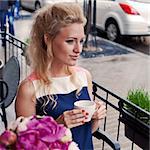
<point>59,70</point>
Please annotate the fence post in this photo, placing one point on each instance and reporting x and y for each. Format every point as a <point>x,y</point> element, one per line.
<point>88,24</point>
<point>5,46</point>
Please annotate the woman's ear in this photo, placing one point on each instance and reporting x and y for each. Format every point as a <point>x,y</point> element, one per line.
<point>46,38</point>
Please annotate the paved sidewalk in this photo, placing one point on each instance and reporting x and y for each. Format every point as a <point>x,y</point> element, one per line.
<point>117,67</point>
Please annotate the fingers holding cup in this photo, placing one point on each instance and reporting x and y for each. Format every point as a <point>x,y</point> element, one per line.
<point>74,117</point>
<point>88,106</point>
<point>100,112</point>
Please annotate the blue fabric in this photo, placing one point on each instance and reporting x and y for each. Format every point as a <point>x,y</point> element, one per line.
<point>3,24</point>
<point>17,9</point>
<point>11,21</point>
<point>81,134</point>
<point>5,12</point>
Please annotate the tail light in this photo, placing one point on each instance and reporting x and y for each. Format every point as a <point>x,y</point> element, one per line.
<point>128,9</point>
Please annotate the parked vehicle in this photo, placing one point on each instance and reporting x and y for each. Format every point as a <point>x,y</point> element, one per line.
<point>31,4</point>
<point>123,17</point>
<point>36,4</point>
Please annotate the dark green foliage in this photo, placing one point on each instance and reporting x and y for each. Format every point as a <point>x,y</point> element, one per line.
<point>141,98</point>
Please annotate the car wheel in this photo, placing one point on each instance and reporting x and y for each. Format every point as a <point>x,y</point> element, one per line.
<point>37,5</point>
<point>112,30</point>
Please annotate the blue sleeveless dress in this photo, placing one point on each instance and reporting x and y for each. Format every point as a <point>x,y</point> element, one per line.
<point>64,92</point>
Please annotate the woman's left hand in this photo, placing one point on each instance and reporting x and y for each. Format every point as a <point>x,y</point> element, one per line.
<point>100,112</point>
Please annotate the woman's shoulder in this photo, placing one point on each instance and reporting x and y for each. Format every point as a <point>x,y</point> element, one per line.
<point>26,86</point>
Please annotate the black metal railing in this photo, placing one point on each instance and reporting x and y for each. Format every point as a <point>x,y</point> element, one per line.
<point>117,118</point>
<point>14,47</point>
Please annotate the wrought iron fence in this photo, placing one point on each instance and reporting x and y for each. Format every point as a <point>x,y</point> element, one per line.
<point>14,47</point>
<point>117,119</point>
<point>120,123</point>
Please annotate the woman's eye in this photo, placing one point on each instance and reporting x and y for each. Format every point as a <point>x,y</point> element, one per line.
<point>70,41</point>
<point>82,41</point>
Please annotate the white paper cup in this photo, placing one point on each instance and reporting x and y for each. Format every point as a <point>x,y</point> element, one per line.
<point>88,106</point>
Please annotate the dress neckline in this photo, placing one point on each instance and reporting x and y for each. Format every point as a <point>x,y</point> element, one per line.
<point>62,77</point>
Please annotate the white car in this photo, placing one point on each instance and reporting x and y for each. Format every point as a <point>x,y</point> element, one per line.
<point>36,4</point>
<point>123,17</point>
<point>32,4</point>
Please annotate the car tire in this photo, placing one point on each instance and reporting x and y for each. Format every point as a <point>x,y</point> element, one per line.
<point>37,5</point>
<point>112,31</point>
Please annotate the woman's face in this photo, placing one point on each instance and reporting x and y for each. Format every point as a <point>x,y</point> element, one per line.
<point>67,45</point>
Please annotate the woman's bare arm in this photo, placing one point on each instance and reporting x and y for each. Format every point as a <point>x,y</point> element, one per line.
<point>25,100</point>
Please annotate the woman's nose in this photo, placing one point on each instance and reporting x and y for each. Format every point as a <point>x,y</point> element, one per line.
<point>78,48</point>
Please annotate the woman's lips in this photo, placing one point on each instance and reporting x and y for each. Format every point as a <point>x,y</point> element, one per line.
<point>74,57</point>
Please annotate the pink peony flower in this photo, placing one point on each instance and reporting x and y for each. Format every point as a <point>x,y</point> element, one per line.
<point>58,145</point>
<point>47,128</point>
<point>37,133</point>
<point>8,138</point>
<point>2,147</point>
<point>30,139</point>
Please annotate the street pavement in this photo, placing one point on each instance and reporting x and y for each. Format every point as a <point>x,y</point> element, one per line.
<point>112,66</point>
<point>120,70</point>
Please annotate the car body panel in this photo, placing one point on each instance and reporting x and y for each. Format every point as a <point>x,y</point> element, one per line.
<point>128,24</point>
<point>136,25</point>
<point>30,4</point>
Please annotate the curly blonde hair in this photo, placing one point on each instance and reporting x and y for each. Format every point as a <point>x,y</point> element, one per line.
<point>49,20</point>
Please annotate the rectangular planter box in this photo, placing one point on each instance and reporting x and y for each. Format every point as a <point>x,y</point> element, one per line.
<point>136,130</point>
<point>137,138</point>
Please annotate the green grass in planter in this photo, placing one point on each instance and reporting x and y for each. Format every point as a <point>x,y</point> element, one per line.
<point>141,98</point>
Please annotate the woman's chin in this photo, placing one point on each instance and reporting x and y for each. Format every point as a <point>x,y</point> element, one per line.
<point>72,63</point>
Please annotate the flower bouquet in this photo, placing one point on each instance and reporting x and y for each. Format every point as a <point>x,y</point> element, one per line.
<point>37,133</point>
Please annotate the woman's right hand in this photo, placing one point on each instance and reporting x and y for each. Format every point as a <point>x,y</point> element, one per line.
<point>72,118</point>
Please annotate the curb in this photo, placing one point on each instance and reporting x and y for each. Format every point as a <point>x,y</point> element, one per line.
<point>125,47</point>
<point>109,48</point>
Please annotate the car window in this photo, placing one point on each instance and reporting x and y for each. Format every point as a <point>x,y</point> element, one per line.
<point>142,1</point>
